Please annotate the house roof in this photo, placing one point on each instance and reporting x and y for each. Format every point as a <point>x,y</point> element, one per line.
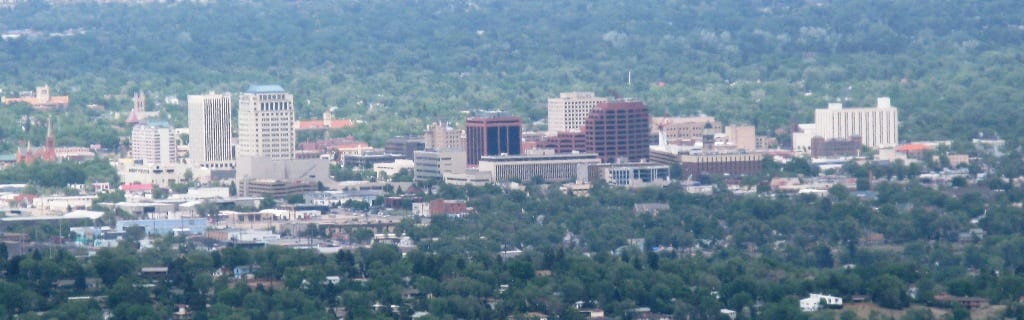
<point>136,187</point>
<point>913,147</point>
<point>320,124</point>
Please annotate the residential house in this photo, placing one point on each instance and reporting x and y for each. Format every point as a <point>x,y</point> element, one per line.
<point>814,302</point>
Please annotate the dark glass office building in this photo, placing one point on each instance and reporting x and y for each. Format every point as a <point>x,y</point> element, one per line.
<point>491,133</point>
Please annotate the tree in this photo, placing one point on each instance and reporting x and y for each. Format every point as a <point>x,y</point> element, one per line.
<point>295,199</point>
<point>109,197</point>
<point>3,254</point>
<point>113,263</point>
<point>160,193</point>
<point>959,181</point>
<point>801,166</point>
<point>521,269</point>
<point>403,175</point>
<point>919,314</point>
<point>362,235</point>
<point>788,308</point>
<point>863,184</point>
<point>839,192</point>
<point>179,188</point>
<point>78,309</point>
<point>823,256</point>
<point>888,291</point>
<point>267,203</point>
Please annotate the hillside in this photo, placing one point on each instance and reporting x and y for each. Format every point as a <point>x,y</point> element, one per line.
<point>953,67</point>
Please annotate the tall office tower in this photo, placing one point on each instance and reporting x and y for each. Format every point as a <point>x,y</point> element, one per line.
<point>266,123</point>
<point>619,130</point>
<point>155,143</point>
<point>568,112</point>
<point>878,127</point>
<point>440,136</point>
<point>491,133</point>
<point>209,127</point>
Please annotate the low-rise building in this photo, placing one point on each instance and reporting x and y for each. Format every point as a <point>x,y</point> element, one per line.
<point>404,146</point>
<point>324,123</point>
<point>652,208</point>
<point>471,177</point>
<point>390,169</point>
<point>632,175</point>
<point>966,302</point>
<point>683,128</point>
<point>65,203</point>
<point>367,160</point>
<point>816,301</point>
<point>275,188</point>
<point>161,175</point>
<point>830,148</point>
<point>440,207</point>
<point>434,165</point>
<point>42,99</point>
<point>545,165</point>
<point>166,226</point>
<point>337,198</point>
<point>697,163</point>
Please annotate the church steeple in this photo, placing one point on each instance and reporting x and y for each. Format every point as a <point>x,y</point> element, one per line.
<point>139,102</point>
<point>49,133</point>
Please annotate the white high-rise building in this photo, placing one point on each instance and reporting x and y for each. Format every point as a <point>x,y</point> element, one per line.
<point>209,126</point>
<point>877,127</point>
<point>266,123</point>
<point>154,143</point>
<point>569,112</point>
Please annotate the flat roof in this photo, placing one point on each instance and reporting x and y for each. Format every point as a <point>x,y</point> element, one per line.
<point>265,88</point>
<point>492,114</point>
<point>91,215</point>
<point>529,157</point>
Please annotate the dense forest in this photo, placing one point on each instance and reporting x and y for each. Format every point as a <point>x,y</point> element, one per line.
<point>951,66</point>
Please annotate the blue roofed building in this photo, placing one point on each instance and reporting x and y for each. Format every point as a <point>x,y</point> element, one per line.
<point>265,88</point>
<point>266,123</point>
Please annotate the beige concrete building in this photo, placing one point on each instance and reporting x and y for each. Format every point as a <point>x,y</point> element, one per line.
<point>315,170</point>
<point>63,203</point>
<point>683,128</point>
<point>266,118</point>
<point>154,143</point>
<point>442,136</point>
<point>156,174</point>
<point>569,112</point>
<point>742,137</point>
<point>471,177</point>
